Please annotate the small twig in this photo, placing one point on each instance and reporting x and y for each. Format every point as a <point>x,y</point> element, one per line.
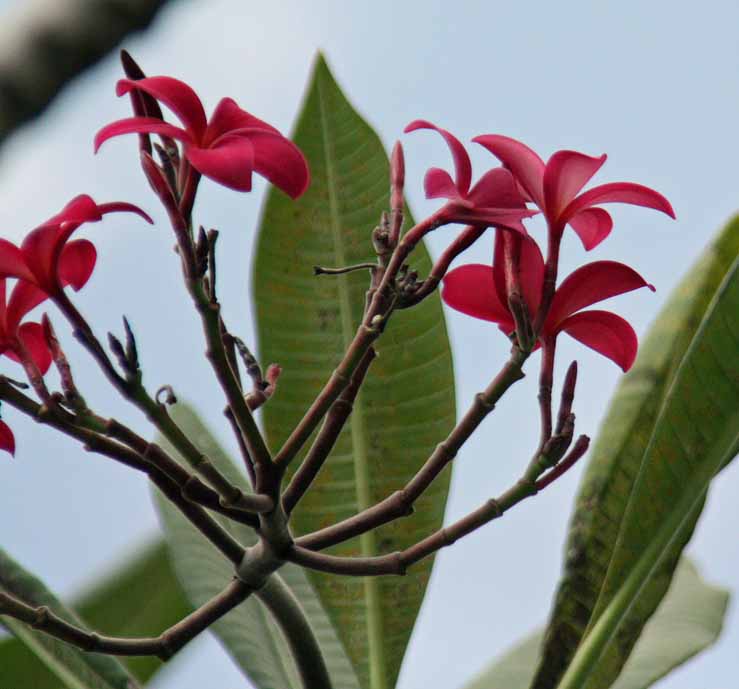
<point>318,270</point>
<point>165,395</point>
<point>567,397</point>
<point>461,242</point>
<point>71,394</point>
<point>578,450</point>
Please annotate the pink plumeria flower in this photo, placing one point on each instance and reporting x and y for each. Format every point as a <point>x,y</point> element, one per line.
<point>18,340</point>
<point>47,261</point>
<point>228,148</point>
<point>481,291</point>
<point>554,187</point>
<point>494,199</point>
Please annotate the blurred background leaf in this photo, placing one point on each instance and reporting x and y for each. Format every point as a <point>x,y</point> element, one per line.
<point>73,667</point>
<point>141,598</point>
<point>688,620</point>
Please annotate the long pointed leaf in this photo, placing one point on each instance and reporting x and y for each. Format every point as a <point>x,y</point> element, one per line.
<point>249,634</point>
<point>616,460</point>
<point>73,667</point>
<point>688,620</point>
<point>696,434</point>
<point>407,403</point>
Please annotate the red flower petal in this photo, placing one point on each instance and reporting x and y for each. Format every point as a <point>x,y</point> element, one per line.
<point>592,225</point>
<point>567,172</point>
<point>40,248</point>
<point>438,184</point>
<point>7,440</point>
<point>80,209</point>
<point>497,188</point>
<point>532,273</point>
<point>76,263</point>
<point>123,207</point>
<point>527,167</point>
<point>139,125</point>
<point>499,261</point>
<point>24,297</point>
<point>13,262</point>
<point>606,333</point>
<point>590,284</point>
<point>32,336</point>
<point>509,218</point>
<point>230,163</point>
<point>619,192</point>
<point>229,116</point>
<point>470,289</point>
<point>279,160</point>
<point>462,165</point>
<point>176,95</point>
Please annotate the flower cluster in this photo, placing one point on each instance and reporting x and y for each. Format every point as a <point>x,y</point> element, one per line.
<point>44,264</point>
<point>227,148</point>
<point>231,145</point>
<point>518,268</point>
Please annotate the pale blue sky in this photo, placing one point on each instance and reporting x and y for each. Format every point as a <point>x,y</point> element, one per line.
<point>654,85</point>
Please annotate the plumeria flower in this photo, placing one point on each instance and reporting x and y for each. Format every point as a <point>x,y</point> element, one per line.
<point>47,261</point>
<point>18,340</point>
<point>7,439</point>
<point>554,187</point>
<point>481,291</point>
<point>228,148</point>
<point>494,199</point>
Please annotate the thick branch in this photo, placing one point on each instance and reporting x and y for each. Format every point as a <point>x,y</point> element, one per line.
<point>104,446</point>
<point>398,562</point>
<point>401,502</point>
<point>164,646</point>
<point>286,610</point>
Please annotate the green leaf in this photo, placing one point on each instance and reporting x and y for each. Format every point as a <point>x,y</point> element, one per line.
<point>121,604</point>
<point>76,669</point>
<point>688,620</point>
<point>407,403</point>
<point>249,634</point>
<point>141,599</point>
<point>618,456</point>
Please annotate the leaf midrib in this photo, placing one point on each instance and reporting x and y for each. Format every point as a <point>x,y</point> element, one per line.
<point>367,543</point>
